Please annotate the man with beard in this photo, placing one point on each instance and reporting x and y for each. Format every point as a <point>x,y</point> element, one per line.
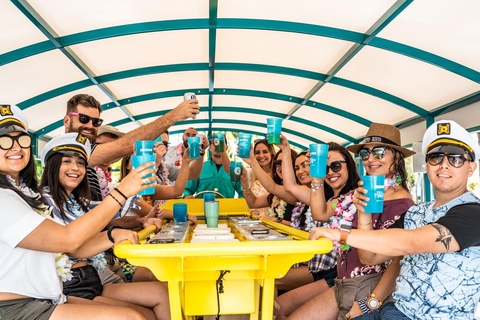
<point>175,153</point>
<point>83,116</point>
<point>214,178</point>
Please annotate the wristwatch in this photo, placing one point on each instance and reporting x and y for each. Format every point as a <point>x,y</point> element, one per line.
<point>344,231</point>
<point>373,303</point>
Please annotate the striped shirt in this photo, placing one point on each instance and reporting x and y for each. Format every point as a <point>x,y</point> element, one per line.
<point>95,190</point>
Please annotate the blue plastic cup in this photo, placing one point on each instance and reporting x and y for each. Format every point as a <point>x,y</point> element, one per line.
<point>144,147</point>
<point>318,160</point>
<point>212,212</point>
<point>137,161</point>
<point>219,142</point>
<point>274,129</point>
<point>235,171</point>
<point>194,145</point>
<point>375,187</point>
<point>180,212</point>
<point>206,198</point>
<point>244,143</point>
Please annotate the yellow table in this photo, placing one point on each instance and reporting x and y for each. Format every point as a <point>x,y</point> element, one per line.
<point>192,269</point>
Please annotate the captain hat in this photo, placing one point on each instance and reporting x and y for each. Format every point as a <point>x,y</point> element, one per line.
<point>69,143</point>
<point>447,136</point>
<point>12,119</point>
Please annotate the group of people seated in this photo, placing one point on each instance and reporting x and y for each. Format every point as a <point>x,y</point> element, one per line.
<point>411,261</point>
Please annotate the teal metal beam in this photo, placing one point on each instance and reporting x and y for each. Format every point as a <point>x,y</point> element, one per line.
<point>258,133</point>
<point>53,37</point>
<point>220,91</point>
<point>212,43</point>
<point>233,66</point>
<point>238,110</point>
<point>257,24</point>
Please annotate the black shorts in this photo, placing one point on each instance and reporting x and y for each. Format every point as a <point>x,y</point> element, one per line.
<point>26,309</point>
<point>328,275</point>
<point>84,284</point>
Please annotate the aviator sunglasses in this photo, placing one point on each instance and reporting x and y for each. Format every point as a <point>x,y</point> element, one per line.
<point>456,160</point>
<point>377,152</point>
<point>83,118</point>
<point>336,166</point>
<point>23,140</point>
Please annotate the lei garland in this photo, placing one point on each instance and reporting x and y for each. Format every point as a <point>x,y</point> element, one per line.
<point>345,210</point>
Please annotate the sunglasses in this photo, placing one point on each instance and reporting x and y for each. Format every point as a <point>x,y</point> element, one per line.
<point>336,166</point>
<point>23,140</point>
<point>456,160</point>
<point>377,152</point>
<point>277,163</point>
<point>83,118</point>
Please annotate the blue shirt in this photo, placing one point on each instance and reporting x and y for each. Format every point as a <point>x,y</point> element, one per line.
<point>438,285</point>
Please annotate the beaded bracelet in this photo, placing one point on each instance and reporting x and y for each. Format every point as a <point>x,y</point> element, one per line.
<point>316,185</point>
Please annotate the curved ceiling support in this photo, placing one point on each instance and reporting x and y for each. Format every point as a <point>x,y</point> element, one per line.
<point>226,91</point>
<point>258,24</point>
<point>242,110</point>
<point>258,133</point>
<point>237,67</point>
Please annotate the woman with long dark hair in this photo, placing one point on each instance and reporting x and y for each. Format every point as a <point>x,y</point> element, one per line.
<point>358,288</point>
<point>32,244</point>
<point>66,190</point>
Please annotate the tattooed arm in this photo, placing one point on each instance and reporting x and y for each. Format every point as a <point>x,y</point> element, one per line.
<point>390,243</point>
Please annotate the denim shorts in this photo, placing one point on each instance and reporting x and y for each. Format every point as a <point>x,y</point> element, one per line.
<point>328,275</point>
<point>84,284</point>
<point>26,309</point>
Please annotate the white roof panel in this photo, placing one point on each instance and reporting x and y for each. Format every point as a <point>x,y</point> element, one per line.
<point>286,49</point>
<point>144,50</point>
<point>73,16</point>
<point>350,14</point>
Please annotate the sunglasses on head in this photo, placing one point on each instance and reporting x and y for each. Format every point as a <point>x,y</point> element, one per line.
<point>456,160</point>
<point>377,152</point>
<point>23,140</point>
<point>277,163</point>
<point>336,166</point>
<point>83,118</point>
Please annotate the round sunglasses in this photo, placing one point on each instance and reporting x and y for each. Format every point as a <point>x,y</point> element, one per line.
<point>336,166</point>
<point>23,140</point>
<point>456,160</point>
<point>377,152</point>
<point>83,118</point>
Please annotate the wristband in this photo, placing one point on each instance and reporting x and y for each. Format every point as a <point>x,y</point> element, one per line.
<point>279,220</point>
<point>202,154</point>
<point>111,195</point>
<point>109,232</point>
<point>121,193</point>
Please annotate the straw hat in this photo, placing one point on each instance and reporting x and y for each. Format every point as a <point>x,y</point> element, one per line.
<point>382,134</point>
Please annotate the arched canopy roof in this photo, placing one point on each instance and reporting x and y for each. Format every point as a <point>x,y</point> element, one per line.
<point>329,68</point>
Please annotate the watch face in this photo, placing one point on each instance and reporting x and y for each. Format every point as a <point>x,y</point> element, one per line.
<point>373,303</point>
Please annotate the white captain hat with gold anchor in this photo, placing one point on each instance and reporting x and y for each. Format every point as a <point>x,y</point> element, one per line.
<point>69,143</point>
<point>447,136</point>
<point>12,119</point>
